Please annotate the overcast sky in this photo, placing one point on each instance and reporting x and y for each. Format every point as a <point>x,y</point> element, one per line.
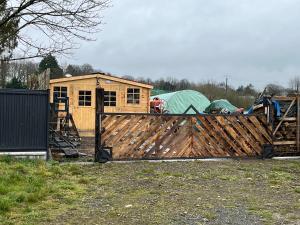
<point>248,40</point>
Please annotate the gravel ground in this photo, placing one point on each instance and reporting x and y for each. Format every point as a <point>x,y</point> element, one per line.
<point>208,193</point>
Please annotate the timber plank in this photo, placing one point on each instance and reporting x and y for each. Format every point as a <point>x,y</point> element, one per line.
<point>123,129</point>
<point>284,142</point>
<point>180,143</point>
<point>123,145</point>
<point>211,136</point>
<point>204,146</point>
<point>252,143</point>
<point>258,126</point>
<point>114,125</point>
<point>174,123</point>
<point>209,140</point>
<point>251,129</point>
<point>244,148</point>
<point>142,141</point>
<point>284,116</point>
<point>230,141</point>
<point>145,139</point>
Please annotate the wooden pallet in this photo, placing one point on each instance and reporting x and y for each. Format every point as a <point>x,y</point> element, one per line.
<point>136,136</point>
<point>286,130</point>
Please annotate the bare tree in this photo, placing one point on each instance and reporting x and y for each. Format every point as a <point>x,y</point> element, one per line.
<point>50,26</point>
<point>22,70</point>
<point>294,84</point>
<point>275,89</point>
<point>87,69</point>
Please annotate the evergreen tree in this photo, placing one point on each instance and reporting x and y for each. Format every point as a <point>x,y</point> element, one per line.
<point>15,83</point>
<point>50,62</point>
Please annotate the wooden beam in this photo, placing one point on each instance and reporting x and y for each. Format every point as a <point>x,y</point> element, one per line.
<point>289,119</point>
<point>98,111</point>
<point>284,116</point>
<point>283,98</point>
<point>284,142</point>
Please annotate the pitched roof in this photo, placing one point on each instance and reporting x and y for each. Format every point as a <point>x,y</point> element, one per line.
<point>103,76</point>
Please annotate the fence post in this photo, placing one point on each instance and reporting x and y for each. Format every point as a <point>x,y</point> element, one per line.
<point>99,110</point>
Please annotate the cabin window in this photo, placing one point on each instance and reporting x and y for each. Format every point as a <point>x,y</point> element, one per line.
<point>133,96</point>
<point>60,92</point>
<point>85,98</point>
<point>110,98</point>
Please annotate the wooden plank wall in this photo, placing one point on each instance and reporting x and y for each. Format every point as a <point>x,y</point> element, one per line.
<point>136,136</point>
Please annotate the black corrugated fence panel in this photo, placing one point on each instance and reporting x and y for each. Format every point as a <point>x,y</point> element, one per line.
<point>23,120</point>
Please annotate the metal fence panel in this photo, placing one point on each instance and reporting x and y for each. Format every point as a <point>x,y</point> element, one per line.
<point>23,120</point>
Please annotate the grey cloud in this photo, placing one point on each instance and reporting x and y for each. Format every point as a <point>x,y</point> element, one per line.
<point>249,40</point>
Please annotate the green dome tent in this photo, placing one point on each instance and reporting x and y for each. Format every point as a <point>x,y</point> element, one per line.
<point>218,105</point>
<point>179,101</point>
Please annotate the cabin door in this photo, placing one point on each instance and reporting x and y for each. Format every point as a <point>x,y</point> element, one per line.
<point>84,100</point>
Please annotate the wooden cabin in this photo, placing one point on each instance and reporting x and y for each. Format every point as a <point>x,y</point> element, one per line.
<point>120,95</point>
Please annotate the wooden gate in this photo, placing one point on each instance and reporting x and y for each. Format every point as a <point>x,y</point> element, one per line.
<point>150,136</point>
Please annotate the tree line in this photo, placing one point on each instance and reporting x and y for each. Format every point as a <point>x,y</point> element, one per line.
<point>242,96</point>
<point>19,74</point>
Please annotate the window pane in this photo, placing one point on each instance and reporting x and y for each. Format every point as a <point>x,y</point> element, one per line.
<point>88,93</point>
<point>113,93</point>
<point>136,90</point>
<point>87,103</point>
<point>113,103</point>
<point>130,97</point>
<point>106,103</point>
<point>81,98</point>
<point>55,95</point>
<point>63,94</point>
<point>81,92</point>
<point>130,90</point>
<point>64,89</point>
<point>88,98</point>
<point>106,98</point>
<point>56,89</point>
<point>81,103</point>
<point>113,99</point>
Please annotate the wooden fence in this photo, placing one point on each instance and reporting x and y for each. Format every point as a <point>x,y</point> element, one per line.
<point>145,136</point>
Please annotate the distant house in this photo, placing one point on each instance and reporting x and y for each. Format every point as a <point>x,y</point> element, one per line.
<point>121,95</point>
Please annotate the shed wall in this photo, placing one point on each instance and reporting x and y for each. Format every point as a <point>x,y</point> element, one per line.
<point>84,117</point>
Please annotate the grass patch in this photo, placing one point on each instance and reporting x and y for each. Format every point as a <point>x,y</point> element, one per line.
<point>35,192</point>
<point>31,185</point>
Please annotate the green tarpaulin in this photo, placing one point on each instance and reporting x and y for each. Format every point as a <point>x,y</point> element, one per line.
<point>158,92</point>
<point>218,105</point>
<point>178,102</point>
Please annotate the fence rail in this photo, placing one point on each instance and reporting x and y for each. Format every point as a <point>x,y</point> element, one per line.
<point>148,136</point>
